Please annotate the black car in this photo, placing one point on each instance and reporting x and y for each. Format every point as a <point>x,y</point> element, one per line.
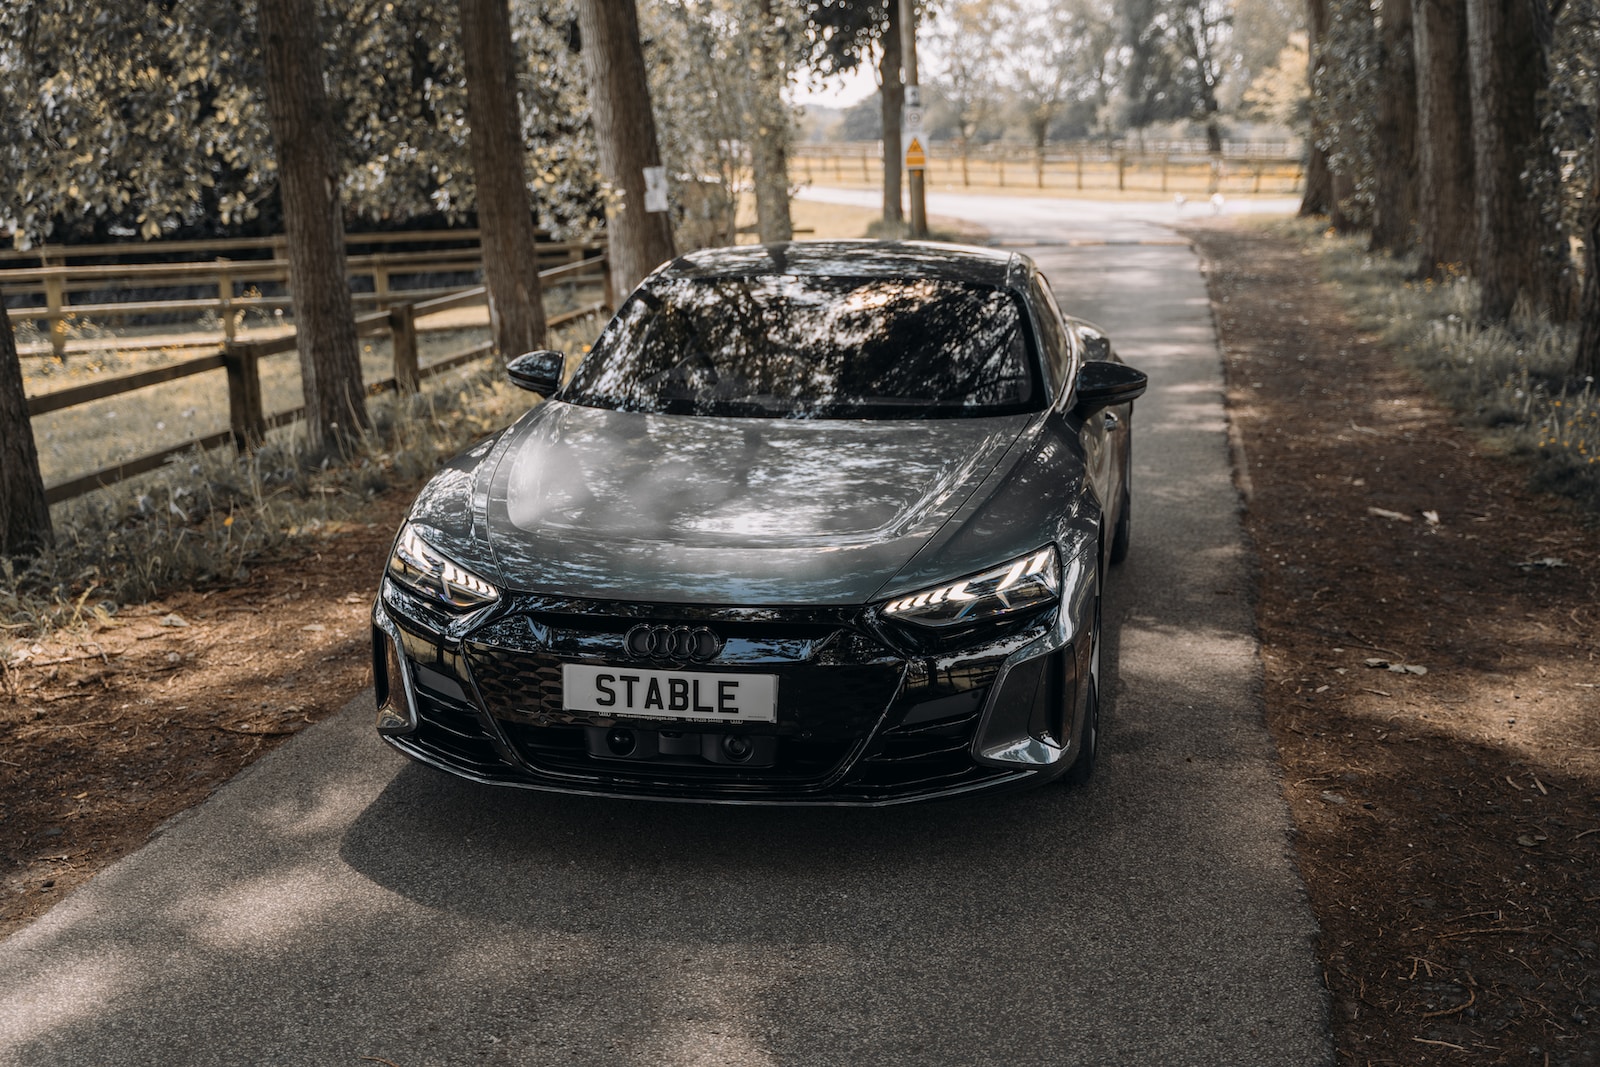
<point>812,523</point>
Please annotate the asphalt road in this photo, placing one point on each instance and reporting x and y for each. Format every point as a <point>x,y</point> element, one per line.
<point>336,905</point>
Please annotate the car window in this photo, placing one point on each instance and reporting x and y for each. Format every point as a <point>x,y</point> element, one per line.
<point>785,346</point>
<point>1059,353</point>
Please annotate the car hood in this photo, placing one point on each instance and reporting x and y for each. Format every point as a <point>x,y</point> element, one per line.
<point>588,502</point>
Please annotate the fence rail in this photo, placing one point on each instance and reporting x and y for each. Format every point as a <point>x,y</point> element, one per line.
<point>1173,168</point>
<point>249,422</point>
<point>47,291</point>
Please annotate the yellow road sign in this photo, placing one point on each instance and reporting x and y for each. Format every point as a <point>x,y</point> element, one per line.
<point>916,158</point>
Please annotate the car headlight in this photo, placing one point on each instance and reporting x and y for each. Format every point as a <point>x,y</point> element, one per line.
<point>1016,586</point>
<point>423,569</point>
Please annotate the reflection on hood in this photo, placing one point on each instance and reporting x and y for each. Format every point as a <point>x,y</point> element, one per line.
<point>586,501</point>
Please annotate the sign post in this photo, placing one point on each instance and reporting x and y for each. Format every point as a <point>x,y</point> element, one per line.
<point>916,145</point>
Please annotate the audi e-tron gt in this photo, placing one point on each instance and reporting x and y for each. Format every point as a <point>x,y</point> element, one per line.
<point>811,523</point>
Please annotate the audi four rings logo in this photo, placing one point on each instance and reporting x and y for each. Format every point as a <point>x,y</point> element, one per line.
<point>679,644</point>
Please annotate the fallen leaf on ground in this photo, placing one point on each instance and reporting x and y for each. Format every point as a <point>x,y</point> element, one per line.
<point>1395,668</point>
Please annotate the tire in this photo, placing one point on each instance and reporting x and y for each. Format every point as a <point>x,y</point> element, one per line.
<point>1082,768</point>
<point>1122,536</point>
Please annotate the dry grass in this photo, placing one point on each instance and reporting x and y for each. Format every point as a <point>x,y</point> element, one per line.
<point>204,517</point>
<point>1514,380</point>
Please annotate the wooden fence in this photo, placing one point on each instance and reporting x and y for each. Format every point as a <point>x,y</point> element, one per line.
<point>249,422</point>
<point>1083,167</point>
<point>48,289</point>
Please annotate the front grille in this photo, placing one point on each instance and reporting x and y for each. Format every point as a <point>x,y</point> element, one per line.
<point>834,685</point>
<point>561,750</point>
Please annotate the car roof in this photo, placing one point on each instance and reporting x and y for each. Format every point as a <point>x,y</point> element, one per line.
<point>855,259</point>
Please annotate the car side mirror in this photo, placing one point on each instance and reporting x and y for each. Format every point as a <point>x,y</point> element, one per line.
<point>1101,385</point>
<point>537,372</point>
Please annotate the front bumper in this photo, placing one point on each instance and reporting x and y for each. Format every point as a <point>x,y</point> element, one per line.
<point>861,718</point>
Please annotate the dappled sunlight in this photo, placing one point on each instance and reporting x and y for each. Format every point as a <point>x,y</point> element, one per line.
<point>1172,659</point>
<point>1498,710</point>
<point>327,809</point>
<point>265,913</point>
<point>71,989</point>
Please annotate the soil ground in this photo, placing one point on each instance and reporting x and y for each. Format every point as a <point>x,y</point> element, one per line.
<point>1428,630</point>
<point>1428,634</point>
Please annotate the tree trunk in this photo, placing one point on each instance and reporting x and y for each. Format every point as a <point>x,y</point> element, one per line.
<point>1344,187</point>
<point>1445,226</point>
<point>1395,192</point>
<point>24,516</point>
<point>308,182</point>
<point>894,98</point>
<point>1507,76</point>
<point>1587,360</point>
<point>769,148</point>
<point>499,167</point>
<point>625,134</point>
<point>1318,196</point>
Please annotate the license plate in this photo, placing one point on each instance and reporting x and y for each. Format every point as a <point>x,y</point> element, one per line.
<point>686,695</point>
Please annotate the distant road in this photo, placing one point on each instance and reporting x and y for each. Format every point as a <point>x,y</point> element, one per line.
<point>336,905</point>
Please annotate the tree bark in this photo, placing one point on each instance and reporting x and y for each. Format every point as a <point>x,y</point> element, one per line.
<point>894,98</point>
<point>769,148</point>
<point>24,515</point>
<point>625,134</point>
<point>1587,358</point>
<point>1318,196</point>
<point>1395,193</point>
<point>1344,187</point>
<point>308,182</point>
<point>499,166</point>
<point>1507,74</point>
<point>1445,227</point>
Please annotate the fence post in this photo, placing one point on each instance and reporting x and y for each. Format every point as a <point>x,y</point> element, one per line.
<point>609,282</point>
<point>55,298</point>
<point>1122,168</point>
<point>225,297</point>
<point>1165,159</point>
<point>1077,160</point>
<point>242,361</point>
<point>403,339</point>
<point>380,283</point>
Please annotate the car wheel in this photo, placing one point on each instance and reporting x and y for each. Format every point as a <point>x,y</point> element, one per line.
<point>1082,768</point>
<point>1121,537</point>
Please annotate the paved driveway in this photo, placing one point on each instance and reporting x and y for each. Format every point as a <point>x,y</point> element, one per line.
<point>335,905</point>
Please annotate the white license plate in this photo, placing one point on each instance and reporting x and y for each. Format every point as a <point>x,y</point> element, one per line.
<point>687,695</point>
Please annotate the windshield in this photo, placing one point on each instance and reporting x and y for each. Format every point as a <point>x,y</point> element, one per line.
<point>779,346</point>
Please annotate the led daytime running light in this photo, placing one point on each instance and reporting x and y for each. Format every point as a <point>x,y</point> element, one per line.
<point>427,570</point>
<point>1023,576</point>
